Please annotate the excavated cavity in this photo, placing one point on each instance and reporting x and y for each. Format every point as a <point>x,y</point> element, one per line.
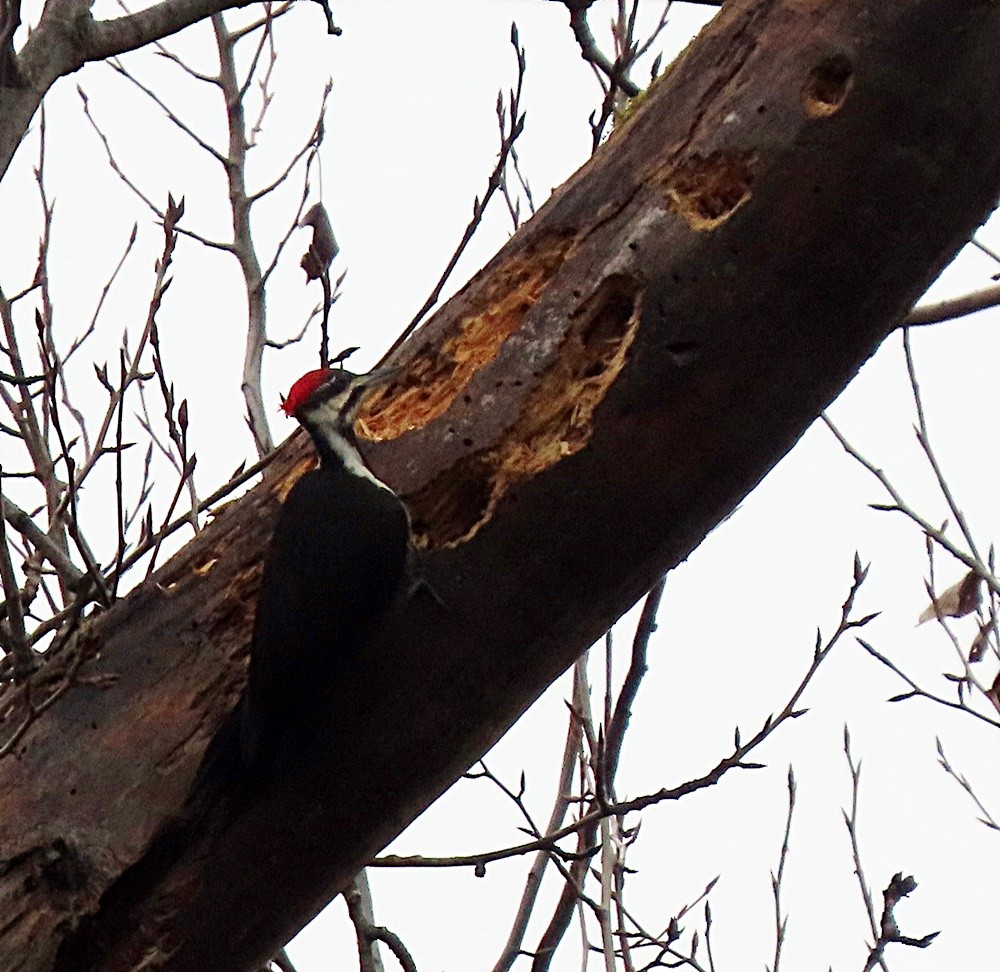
<point>436,376</point>
<point>707,190</point>
<point>458,497</point>
<point>827,86</point>
<point>555,420</point>
<point>284,485</point>
<point>204,564</point>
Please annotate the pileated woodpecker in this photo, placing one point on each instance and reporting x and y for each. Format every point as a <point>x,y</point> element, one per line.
<point>338,561</point>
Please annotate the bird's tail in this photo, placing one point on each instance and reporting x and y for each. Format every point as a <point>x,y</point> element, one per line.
<point>221,769</point>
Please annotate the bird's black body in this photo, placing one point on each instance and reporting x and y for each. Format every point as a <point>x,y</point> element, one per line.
<point>334,569</point>
<point>337,563</point>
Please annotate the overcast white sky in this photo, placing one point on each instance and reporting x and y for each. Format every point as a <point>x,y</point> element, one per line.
<point>411,137</point>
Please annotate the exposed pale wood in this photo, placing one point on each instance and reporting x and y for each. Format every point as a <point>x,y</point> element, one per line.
<point>573,423</point>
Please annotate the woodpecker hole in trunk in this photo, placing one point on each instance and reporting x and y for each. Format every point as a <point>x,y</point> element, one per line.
<point>827,87</point>
<point>451,503</point>
<point>284,485</point>
<point>555,420</point>
<point>707,190</point>
<point>435,376</point>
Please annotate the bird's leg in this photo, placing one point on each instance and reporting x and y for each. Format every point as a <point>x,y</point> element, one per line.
<point>419,584</point>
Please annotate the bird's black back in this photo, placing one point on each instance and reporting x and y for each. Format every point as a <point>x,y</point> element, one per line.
<point>337,561</point>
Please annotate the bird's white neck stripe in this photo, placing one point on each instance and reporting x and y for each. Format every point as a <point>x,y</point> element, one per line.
<point>326,428</point>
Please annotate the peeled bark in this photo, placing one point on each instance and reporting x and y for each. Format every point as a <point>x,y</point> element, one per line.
<point>567,428</point>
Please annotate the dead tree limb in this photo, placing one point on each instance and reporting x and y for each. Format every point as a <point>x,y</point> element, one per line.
<point>565,429</point>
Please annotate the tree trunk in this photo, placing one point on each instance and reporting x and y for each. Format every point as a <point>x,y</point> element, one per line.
<point>567,428</point>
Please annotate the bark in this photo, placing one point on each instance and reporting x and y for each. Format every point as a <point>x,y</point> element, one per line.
<point>569,426</point>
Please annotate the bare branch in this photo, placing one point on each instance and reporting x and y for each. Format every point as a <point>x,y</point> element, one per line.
<point>168,111</point>
<point>105,290</point>
<point>41,541</point>
<point>272,15</point>
<point>591,53</point>
<point>112,161</point>
<point>534,880</point>
<point>360,909</point>
<point>949,310</point>
<point>571,895</point>
<point>107,38</point>
<point>359,906</point>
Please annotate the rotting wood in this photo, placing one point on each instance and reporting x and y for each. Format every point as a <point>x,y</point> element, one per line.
<point>705,284</point>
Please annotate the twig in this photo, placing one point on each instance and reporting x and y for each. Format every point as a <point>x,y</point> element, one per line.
<point>899,505</point>
<point>924,439</point>
<point>708,937</point>
<point>780,921</point>
<point>172,215</point>
<point>479,205</point>
<point>24,657</point>
<point>532,829</point>
<point>272,15</point>
<point>633,679</point>
<point>112,161</point>
<point>105,290</point>
<point>609,861</point>
<point>119,484</point>
<point>852,830</point>
<point>613,76</point>
<point>899,887</point>
<point>205,146</point>
<point>91,565</point>
<point>917,692</point>
<point>987,817</point>
<point>736,760</point>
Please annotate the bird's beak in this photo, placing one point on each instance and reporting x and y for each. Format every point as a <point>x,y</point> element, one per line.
<point>380,376</point>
